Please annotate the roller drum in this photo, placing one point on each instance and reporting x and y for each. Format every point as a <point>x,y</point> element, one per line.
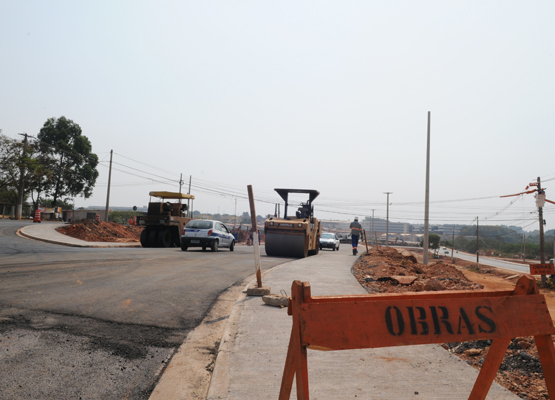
<point>283,245</point>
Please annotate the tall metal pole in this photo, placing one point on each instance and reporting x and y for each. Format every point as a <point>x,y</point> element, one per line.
<point>427,196</point>
<point>372,233</point>
<point>542,242</point>
<point>387,221</point>
<point>189,192</point>
<point>477,242</point>
<point>453,246</point>
<point>109,183</point>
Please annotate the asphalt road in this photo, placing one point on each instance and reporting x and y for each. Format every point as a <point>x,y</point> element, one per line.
<point>492,262</point>
<point>97,323</point>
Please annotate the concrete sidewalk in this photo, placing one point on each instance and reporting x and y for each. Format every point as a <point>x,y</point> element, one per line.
<point>252,353</point>
<point>46,232</point>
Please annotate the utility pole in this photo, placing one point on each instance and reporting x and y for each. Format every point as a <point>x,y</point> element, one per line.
<point>542,243</point>
<point>180,182</point>
<point>477,242</point>
<point>453,246</point>
<point>387,221</point>
<point>427,197</point>
<point>109,183</point>
<point>189,192</point>
<point>19,207</point>
<point>523,247</point>
<point>372,232</point>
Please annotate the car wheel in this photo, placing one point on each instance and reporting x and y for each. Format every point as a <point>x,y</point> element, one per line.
<point>232,245</point>
<point>333,248</point>
<point>214,245</point>
<point>184,247</point>
<point>203,248</point>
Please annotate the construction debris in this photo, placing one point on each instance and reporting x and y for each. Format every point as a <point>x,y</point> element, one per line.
<point>385,270</point>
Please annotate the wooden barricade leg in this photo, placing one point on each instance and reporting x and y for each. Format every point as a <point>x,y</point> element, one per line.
<point>546,351</point>
<point>296,362</point>
<point>288,370</point>
<point>491,365</point>
<point>525,285</point>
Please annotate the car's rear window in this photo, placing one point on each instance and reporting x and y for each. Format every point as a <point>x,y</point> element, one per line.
<point>199,224</point>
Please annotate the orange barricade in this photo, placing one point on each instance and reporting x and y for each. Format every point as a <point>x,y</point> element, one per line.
<point>372,321</point>
<point>542,269</point>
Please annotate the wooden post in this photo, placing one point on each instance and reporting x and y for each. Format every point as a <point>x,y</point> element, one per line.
<point>365,240</point>
<point>255,237</point>
<point>259,290</point>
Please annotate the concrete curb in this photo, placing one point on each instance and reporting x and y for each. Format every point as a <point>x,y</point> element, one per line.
<point>178,381</point>
<point>219,383</point>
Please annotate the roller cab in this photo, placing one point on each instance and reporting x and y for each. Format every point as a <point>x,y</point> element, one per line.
<point>295,236</point>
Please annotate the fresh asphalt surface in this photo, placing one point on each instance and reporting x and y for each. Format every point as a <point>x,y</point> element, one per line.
<point>99,323</point>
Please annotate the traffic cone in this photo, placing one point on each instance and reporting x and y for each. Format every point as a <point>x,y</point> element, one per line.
<point>37,216</point>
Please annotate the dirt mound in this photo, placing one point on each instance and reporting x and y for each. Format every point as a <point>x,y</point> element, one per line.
<point>385,270</point>
<point>92,231</point>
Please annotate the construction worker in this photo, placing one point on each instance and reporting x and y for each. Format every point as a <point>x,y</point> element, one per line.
<point>356,231</point>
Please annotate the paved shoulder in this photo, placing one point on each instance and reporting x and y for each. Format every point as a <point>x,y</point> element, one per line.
<point>253,350</point>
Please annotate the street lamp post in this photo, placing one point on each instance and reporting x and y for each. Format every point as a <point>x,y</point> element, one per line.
<point>387,220</point>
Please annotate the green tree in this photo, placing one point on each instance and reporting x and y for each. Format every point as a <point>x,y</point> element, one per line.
<point>433,241</point>
<point>66,204</point>
<point>10,158</point>
<point>245,218</point>
<point>75,173</point>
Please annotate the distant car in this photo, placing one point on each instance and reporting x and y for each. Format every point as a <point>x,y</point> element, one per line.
<point>445,251</point>
<point>329,240</point>
<point>207,233</point>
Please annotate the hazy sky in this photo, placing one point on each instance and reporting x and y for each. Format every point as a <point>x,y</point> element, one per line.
<point>321,95</point>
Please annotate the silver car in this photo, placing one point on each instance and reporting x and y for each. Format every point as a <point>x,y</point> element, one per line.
<point>329,240</point>
<point>206,233</point>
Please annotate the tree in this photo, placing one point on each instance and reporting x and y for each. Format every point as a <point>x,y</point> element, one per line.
<point>75,173</point>
<point>10,154</point>
<point>433,241</point>
<point>245,218</point>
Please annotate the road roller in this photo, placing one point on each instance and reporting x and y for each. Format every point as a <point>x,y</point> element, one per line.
<point>164,221</point>
<point>295,236</point>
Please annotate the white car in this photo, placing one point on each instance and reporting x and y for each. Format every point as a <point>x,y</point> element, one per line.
<point>206,233</point>
<point>329,240</point>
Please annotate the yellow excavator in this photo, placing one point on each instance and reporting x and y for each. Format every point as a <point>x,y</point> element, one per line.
<point>294,236</point>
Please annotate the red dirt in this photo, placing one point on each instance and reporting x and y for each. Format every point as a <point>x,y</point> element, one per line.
<point>92,231</point>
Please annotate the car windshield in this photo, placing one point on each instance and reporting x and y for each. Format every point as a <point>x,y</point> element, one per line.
<point>328,235</point>
<point>199,224</point>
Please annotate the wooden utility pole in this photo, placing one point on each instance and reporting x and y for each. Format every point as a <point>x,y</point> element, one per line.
<point>259,290</point>
<point>542,242</point>
<point>477,242</point>
<point>427,197</point>
<point>109,184</point>
<point>19,207</point>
